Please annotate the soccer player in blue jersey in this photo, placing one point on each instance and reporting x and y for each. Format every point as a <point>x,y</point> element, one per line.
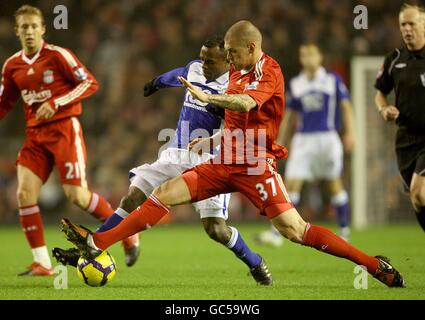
<point>197,120</point>
<point>316,98</point>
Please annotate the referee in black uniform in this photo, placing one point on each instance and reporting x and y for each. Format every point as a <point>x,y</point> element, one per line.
<point>404,71</point>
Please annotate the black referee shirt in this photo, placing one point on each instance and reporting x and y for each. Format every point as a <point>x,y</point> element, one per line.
<point>404,71</point>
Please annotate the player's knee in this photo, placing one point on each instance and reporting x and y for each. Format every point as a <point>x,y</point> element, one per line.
<point>26,196</point>
<point>133,199</point>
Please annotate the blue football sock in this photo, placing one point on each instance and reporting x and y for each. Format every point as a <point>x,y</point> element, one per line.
<point>241,250</point>
<point>113,220</point>
<point>340,202</point>
<point>343,215</point>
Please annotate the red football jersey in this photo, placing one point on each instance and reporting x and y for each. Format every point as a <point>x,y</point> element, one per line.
<point>53,74</point>
<point>260,126</point>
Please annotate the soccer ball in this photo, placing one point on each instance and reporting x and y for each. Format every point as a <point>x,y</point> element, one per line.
<point>97,272</point>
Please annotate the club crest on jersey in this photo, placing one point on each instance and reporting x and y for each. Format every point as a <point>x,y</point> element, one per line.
<point>251,86</point>
<point>80,74</point>
<point>48,76</point>
<point>423,78</point>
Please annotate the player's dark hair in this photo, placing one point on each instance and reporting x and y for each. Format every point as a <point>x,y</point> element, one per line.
<point>215,41</point>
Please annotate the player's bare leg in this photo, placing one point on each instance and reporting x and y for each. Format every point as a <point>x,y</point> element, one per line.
<point>128,204</point>
<point>417,197</point>
<point>272,236</point>
<point>339,199</point>
<point>217,229</point>
<point>29,185</point>
<point>172,192</point>
<point>293,227</point>
<point>98,207</point>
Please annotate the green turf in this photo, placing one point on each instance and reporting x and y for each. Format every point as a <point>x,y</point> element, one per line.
<point>180,262</point>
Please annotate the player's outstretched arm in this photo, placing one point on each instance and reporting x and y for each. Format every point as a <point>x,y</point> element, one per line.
<point>235,102</point>
<point>168,79</point>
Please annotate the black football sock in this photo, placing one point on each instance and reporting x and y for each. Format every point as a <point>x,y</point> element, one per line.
<point>421,217</point>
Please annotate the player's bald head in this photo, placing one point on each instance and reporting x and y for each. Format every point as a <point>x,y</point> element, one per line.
<point>245,33</point>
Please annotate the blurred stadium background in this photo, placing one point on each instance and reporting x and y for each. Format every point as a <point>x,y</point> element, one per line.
<point>128,42</point>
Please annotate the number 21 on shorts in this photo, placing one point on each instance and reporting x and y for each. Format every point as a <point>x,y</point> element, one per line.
<point>73,170</point>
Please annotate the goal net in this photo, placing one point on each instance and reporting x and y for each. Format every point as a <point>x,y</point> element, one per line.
<point>377,190</point>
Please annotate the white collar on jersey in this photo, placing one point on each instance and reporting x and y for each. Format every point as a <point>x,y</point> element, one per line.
<point>243,71</point>
<point>223,79</point>
<point>320,73</point>
<point>35,57</point>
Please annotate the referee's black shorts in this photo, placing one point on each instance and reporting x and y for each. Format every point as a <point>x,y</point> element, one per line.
<point>410,151</point>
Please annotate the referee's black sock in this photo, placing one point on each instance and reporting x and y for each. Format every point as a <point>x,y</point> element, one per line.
<point>421,217</point>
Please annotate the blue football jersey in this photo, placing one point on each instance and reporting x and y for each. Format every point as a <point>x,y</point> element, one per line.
<point>317,101</point>
<point>194,117</point>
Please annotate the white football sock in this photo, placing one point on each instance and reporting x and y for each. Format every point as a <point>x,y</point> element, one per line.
<point>41,255</point>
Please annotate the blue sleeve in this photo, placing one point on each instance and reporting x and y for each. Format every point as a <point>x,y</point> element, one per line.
<point>341,90</point>
<point>292,102</point>
<point>170,78</point>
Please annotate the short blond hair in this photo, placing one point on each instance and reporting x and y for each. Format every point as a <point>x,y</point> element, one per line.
<point>406,6</point>
<point>27,9</point>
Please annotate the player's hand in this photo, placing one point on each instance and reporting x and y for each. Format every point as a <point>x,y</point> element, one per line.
<point>389,113</point>
<point>349,142</point>
<point>200,145</point>
<point>45,112</point>
<point>196,92</point>
<point>150,88</point>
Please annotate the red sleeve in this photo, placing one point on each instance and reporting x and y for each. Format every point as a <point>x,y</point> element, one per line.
<point>9,93</point>
<point>73,70</point>
<point>263,87</point>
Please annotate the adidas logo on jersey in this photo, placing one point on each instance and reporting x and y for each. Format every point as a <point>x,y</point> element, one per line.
<point>30,71</point>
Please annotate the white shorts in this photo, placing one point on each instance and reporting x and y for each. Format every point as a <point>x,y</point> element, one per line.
<point>172,163</point>
<point>315,156</point>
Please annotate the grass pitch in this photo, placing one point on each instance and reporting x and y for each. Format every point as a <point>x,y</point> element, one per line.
<point>181,262</point>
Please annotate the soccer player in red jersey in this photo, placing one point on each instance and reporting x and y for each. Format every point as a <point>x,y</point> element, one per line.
<point>254,107</point>
<point>52,83</point>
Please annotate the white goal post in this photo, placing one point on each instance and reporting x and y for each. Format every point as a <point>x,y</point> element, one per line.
<point>377,194</point>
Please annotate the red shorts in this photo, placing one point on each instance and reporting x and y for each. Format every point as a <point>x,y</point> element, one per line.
<point>266,191</point>
<point>59,143</point>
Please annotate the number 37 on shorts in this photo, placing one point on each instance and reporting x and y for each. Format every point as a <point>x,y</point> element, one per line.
<point>272,197</point>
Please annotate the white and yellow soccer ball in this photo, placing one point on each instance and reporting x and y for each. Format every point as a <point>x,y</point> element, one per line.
<point>97,272</point>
